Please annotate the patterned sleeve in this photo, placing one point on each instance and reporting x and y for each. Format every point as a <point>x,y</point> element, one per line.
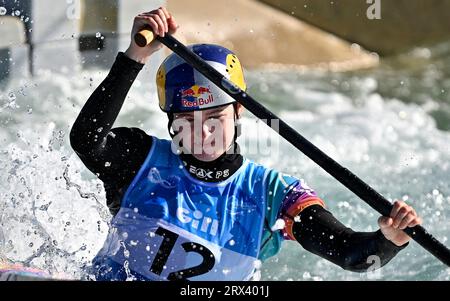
<point>298,198</point>
<point>286,197</point>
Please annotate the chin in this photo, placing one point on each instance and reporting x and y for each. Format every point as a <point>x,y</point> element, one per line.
<point>207,157</point>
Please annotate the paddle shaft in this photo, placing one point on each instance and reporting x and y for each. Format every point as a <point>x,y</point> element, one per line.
<point>340,173</point>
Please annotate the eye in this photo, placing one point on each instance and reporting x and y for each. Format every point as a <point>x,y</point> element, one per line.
<point>183,118</point>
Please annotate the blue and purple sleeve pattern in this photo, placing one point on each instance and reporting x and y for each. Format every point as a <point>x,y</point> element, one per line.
<point>286,197</point>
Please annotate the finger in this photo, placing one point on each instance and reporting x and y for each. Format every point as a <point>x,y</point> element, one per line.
<point>150,21</point>
<point>173,26</point>
<point>403,212</point>
<point>407,220</point>
<point>396,208</point>
<point>160,22</point>
<point>163,17</point>
<point>148,14</point>
<point>415,222</point>
<point>385,222</point>
<point>165,12</point>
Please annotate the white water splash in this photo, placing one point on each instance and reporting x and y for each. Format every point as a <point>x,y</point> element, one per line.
<point>53,213</point>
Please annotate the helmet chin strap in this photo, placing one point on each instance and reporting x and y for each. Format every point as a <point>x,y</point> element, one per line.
<point>169,125</point>
<point>237,129</point>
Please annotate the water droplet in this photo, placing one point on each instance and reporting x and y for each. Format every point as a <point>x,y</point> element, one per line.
<point>257,264</point>
<point>279,224</point>
<point>231,242</point>
<point>11,96</point>
<point>98,35</point>
<point>17,12</point>
<point>107,164</point>
<point>2,11</point>
<point>331,236</point>
<point>256,276</point>
<point>297,219</point>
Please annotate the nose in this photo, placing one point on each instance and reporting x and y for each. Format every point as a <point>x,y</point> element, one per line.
<point>204,127</point>
<point>207,129</point>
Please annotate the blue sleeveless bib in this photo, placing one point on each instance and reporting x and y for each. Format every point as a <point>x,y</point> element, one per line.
<point>172,226</point>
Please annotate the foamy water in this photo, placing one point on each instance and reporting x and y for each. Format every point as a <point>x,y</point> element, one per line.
<point>52,209</point>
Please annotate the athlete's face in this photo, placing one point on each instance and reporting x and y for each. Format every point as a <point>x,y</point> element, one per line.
<point>206,134</point>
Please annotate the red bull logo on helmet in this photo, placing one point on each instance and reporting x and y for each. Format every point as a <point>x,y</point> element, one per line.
<point>196,96</point>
